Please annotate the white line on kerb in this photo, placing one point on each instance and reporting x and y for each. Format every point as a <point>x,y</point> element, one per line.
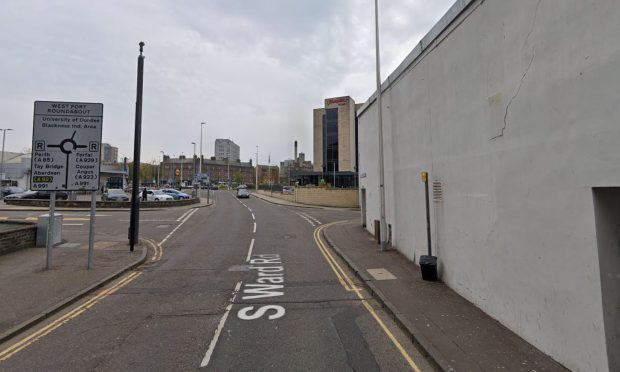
<point>250,250</point>
<point>179,225</point>
<point>220,326</point>
<point>254,227</point>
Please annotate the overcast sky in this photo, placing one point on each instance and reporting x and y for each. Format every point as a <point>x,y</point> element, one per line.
<point>253,70</point>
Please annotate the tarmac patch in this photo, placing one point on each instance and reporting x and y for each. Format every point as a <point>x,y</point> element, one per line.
<point>239,268</point>
<point>104,245</point>
<point>69,245</point>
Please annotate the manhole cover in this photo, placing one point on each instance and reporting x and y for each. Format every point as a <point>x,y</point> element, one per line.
<point>381,274</point>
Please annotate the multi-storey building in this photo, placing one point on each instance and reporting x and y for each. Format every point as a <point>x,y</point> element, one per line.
<point>109,153</point>
<point>335,141</point>
<point>226,149</point>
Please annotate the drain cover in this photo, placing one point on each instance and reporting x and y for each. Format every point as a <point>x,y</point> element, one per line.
<point>381,274</point>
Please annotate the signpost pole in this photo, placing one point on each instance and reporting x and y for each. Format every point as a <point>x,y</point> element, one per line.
<point>91,232</point>
<point>135,198</point>
<point>50,229</point>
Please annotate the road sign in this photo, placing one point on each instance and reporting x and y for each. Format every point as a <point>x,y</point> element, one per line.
<point>66,145</point>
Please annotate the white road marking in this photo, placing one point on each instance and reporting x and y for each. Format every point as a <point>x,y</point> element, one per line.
<point>305,218</point>
<point>183,215</point>
<point>179,225</point>
<point>254,218</point>
<point>250,251</point>
<point>73,224</point>
<point>312,218</point>
<point>254,228</point>
<point>218,330</point>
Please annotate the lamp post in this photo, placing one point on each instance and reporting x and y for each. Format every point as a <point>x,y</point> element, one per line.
<point>200,166</point>
<point>2,160</point>
<point>256,185</point>
<point>181,160</point>
<point>194,165</point>
<point>383,226</point>
<point>158,167</point>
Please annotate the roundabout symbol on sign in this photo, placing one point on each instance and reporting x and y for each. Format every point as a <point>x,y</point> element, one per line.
<point>67,146</point>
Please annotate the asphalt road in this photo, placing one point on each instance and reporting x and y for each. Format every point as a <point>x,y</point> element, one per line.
<point>241,285</point>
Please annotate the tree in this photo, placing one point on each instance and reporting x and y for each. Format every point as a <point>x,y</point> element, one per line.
<point>238,177</point>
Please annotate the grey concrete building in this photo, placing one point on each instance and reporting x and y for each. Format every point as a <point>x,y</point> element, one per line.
<point>226,149</point>
<point>109,153</point>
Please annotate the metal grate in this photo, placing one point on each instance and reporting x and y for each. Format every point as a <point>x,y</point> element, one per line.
<point>437,192</point>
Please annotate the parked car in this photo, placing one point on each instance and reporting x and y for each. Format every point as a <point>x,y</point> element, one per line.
<point>115,195</point>
<point>176,194</point>
<point>214,186</point>
<point>157,195</point>
<point>8,190</point>
<point>288,190</point>
<point>29,194</point>
<point>243,193</point>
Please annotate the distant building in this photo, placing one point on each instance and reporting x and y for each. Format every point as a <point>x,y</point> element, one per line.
<point>109,153</point>
<point>291,168</point>
<point>218,170</point>
<point>226,149</point>
<point>335,143</point>
<point>268,174</point>
<point>16,169</point>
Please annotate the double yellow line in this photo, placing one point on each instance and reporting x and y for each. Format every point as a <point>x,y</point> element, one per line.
<point>34,337</point>
<point>158,251</point>
<point>348,285</point>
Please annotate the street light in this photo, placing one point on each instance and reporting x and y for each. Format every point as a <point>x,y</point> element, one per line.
<point>159,166</point>
<point>2,161</point>
<point>194,165</point>
<point>181,160</point>
<point>383,224</point>
<point>201,124</point>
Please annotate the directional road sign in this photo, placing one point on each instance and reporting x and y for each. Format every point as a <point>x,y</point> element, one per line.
<point>66,145</point>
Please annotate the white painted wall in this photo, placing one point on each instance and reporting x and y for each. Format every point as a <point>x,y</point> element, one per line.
<point>515,232</point>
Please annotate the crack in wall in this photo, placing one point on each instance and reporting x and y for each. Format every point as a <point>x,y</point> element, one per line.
<point>514,97</point>
<point>527,38</point>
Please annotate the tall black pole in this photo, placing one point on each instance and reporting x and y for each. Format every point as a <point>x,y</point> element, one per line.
<point>134,222</point>
<point>428,212</point>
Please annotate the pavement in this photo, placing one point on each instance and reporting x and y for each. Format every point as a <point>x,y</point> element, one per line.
<point>456,334</point>
<point>31,293</point>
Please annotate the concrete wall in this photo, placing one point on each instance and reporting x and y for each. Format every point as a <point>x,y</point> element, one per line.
<point>341,198</point>
<point>512,108</point>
